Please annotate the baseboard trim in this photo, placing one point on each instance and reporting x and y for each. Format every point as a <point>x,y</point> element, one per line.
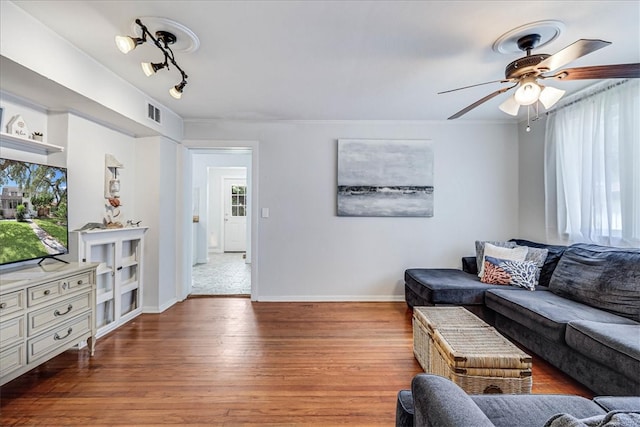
<point>330,298</point>
<point>163,307</point>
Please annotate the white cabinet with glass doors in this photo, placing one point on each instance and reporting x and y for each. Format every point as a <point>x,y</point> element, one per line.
<point>119,274</point>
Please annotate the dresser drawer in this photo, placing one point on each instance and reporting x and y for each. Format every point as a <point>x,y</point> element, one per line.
<point>12,302</point>
<point>12,359</point>
<point>77,282</point>
<point>12,331</point>
<point>43,293</point>
<point>57,313</point>
<point>60,336</point>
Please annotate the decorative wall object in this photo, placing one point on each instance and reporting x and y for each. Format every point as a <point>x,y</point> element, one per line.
<point>18,127</point>
<point>385,178</point>
<point>112,191</point>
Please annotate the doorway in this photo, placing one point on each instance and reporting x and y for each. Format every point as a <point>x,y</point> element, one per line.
<point>221,259</point>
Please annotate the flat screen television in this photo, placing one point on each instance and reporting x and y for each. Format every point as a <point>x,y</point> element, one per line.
<point>33,211</point>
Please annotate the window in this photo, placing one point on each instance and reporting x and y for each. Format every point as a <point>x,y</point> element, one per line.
<point>238,200</point>
<point>592,167</point>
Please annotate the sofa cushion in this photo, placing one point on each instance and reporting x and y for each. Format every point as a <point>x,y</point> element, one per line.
<point>513,254</point>
<point>553,256</point>
<point>613,345</point>
<point>618,403</point>
<point>600,276</point>
<point>480,249</point>
<point>506,272</point>
<point>440,402</point>
<point>446,286</point>
<point>532,410</point>
<point>544,312</point>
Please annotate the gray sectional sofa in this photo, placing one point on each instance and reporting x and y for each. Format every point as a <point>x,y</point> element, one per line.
<point>436,401</point>
<point>583,317</point>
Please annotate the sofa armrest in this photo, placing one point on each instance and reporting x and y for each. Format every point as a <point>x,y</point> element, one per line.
<point>469,265</point>
<point>440,402</point>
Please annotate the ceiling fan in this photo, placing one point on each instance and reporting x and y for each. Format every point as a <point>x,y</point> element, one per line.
<point>526,72</point>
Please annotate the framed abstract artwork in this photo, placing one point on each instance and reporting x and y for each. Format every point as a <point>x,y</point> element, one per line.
<point>391,178</point>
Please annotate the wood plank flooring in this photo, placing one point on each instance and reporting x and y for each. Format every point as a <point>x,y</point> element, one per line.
<point>228,361</point>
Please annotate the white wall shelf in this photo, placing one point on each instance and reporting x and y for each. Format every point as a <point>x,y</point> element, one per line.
<point>31,145</point>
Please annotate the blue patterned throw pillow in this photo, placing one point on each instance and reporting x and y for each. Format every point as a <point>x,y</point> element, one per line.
<point>506,272</point>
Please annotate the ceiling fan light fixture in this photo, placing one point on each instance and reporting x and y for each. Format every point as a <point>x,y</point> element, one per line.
<point>510,106</point>
<point>528,92</point>
<point>126,44</point>
<point>550,95</point>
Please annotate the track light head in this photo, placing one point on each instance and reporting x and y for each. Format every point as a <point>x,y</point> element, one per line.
<point>176,91</point>
<point>150,68</point>
<point>126,44</point>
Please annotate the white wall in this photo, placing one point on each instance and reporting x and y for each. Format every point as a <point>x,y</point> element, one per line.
<point>157,199</point>
<point>531,182</point>
<point>87,144</point>
<point>306,252</point>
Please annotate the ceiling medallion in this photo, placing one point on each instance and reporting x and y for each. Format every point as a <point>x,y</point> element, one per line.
<point>549,30</point>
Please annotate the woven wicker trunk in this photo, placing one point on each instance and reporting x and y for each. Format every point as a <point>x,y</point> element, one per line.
<point>454,343</point>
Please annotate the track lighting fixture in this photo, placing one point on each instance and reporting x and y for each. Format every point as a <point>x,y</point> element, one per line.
<point>162,40</point>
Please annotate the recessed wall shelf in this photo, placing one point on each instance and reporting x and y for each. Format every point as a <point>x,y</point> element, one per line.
<point>31,145</point>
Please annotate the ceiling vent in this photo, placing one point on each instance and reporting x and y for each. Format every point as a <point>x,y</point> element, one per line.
<point>153,113</point>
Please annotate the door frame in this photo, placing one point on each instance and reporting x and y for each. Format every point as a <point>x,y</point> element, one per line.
<point>194,147</point>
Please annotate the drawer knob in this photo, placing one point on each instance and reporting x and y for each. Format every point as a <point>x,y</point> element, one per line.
<point>64,285</point>
<point>47,292</point>
<point>80,282</point>
<point>57,312</point>
<point>58,337</point>
<point>3,305</point>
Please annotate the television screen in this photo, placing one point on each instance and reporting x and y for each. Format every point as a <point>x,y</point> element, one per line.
<point>33,211</point>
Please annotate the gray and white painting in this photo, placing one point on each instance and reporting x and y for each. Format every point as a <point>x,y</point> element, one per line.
<point>385,178</point>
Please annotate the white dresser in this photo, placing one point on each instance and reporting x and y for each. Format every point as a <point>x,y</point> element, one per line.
<point>44,311</point>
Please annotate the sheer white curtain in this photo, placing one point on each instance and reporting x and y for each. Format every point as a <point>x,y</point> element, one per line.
<point>592,167</point>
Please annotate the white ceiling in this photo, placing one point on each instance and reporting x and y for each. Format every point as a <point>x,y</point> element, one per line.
<point>337,60</point>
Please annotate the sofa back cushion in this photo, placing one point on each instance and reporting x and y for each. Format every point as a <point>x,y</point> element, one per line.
<point>600,276</point>
<point>553,256</point>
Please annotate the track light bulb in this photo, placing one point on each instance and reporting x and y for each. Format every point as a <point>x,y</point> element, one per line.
<point>528,92</point>
<point>176,91</point>
<point>150,68</point>
<point>126,44</point>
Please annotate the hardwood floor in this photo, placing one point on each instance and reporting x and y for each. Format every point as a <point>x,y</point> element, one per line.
<point>227,361</point>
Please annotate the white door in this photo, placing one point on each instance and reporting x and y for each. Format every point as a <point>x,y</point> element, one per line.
<point>235,215</point>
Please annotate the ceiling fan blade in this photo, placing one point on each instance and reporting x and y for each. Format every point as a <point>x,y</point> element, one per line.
<point>481,101</point>
<point>617,71</point>
<point>572,52</point>
<point>479,84</point>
